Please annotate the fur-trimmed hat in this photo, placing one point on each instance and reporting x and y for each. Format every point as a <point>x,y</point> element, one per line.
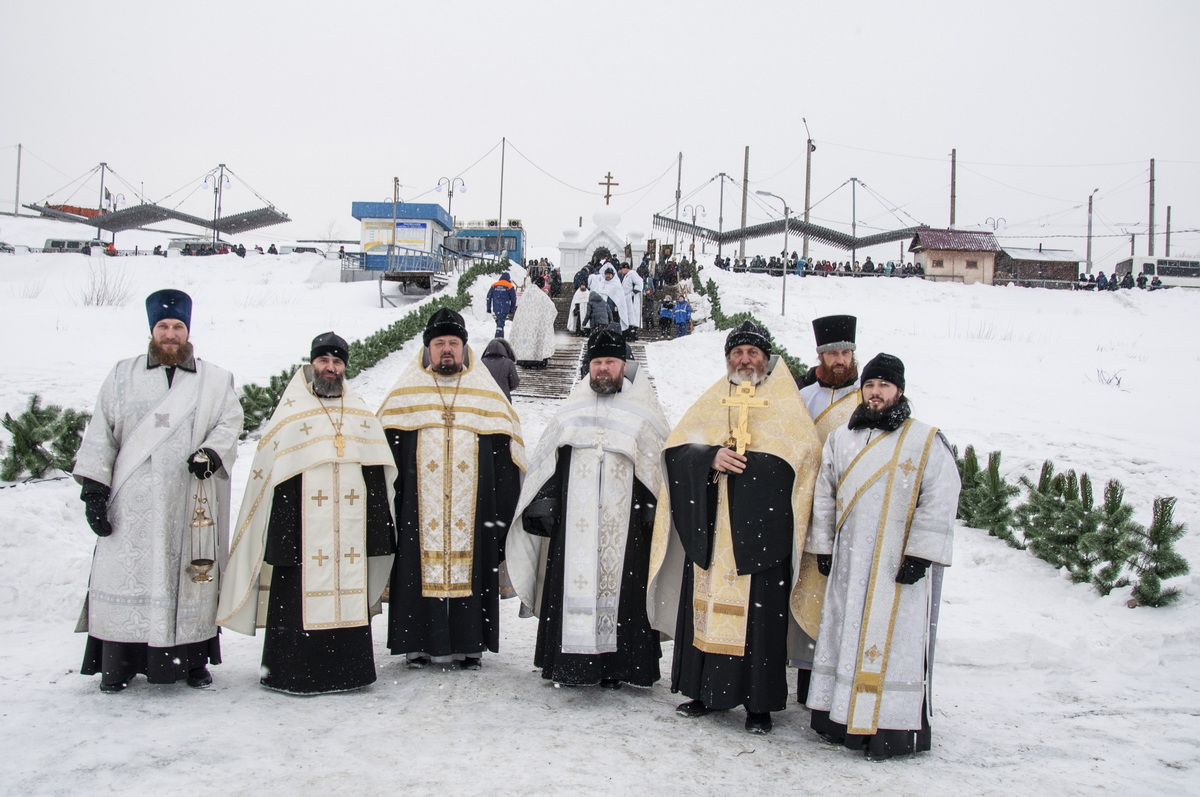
<point>169,303</point>
<point>749,334</point>
<point>604,342</point>
<point>834,332</point>
<point>887,367</point>
<point>329,343</point>
<point>445,322</point>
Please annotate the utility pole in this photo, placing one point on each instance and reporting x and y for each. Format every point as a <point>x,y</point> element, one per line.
<point>678,185</point>
<point>953,183</point>
<point>807,182</point>
<point>500,213</point>
<point>1150,245</point>
<point>17,198</point>
<point>1168,231</point>
<point>392,238</point>
<point>721,213</point>
<point>1089,238</point>
<point>745,199</point>
<point>1132,243</point>
<point>100,208</point>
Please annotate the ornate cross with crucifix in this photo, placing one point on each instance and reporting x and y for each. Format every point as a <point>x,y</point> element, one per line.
<point>608,184</point>
<point>743,399</point>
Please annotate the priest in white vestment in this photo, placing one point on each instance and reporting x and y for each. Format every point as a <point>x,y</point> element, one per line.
<point>634,287</point>
<point>882,530</point>
<point>154,465</point>
<point>313,544</point>
<point>579,548</point>
<point>609,286</point>
<point>532,331</point>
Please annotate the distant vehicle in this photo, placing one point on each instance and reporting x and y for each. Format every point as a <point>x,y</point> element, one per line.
<point>288,249</point>
<point>179,244</point>
<point>7,249</point>
<point>1172,271</point>
<point>76,246</point>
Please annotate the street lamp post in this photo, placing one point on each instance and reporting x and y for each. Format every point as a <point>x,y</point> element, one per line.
<point>1089,238</point>
<point>449,183</point>
<point>219,182</point>
<point>786,215</point>
<point>810,148</point>
<point>694,210</point>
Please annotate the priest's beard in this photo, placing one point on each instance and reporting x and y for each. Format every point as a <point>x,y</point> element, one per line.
<point>446,368</point>
<point>606,385</point>
<point>888,418</point>
<point>838,374</point>
<point>754,374</point>
<point>182,353</point>
<point>328,388</point>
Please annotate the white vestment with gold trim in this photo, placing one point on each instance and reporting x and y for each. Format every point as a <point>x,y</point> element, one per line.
<point>901,488</point>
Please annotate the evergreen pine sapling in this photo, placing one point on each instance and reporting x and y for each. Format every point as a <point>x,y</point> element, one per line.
<point>990,501</point>
<point>1039,514</point>
<point>1112,540</point>
<point>1158,560</point>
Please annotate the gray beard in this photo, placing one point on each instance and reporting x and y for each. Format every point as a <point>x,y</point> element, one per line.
<point>605,385</point>
<point>327,388</point>
<point>754,377</point>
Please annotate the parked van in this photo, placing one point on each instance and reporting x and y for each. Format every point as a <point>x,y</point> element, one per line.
<point>79,247</point>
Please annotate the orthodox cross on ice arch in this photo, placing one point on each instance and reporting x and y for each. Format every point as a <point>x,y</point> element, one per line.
<point>743,399</point>
<point>608,184</point>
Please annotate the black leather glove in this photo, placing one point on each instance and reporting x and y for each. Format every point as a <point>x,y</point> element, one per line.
<point>201,469</point>
<point>912,570</point>
<point>95,502</point>
<point>824,563</point>
<point>541,516</point>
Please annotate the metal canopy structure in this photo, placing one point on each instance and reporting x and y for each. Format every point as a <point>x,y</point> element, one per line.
<point>144,215</point>
<point>835,238</point>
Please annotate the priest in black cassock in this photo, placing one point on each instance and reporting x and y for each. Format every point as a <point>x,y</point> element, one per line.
<point>314,539</point>
<point>579,549</point>
<point>740,471</point>
<point>457,443</point>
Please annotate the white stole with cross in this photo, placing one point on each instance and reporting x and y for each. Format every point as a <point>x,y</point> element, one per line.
<point>898,457</point>
<point>340,582</point>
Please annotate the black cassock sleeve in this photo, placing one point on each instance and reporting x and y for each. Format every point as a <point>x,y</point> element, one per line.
<point>381,531</point>
<point>544,513</point>
<point>283,527</point>
<point>693,499</point>
<point>760,512</point>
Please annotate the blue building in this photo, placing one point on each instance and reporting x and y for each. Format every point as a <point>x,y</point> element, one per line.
<point>485,237</point>
<point>415,233</point>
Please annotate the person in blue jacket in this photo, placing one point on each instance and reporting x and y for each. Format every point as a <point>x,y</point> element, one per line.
<point>501,300</point>
<point>683,315</point>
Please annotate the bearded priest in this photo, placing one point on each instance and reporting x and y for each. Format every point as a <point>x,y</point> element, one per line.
<point>740,471</point>
<point>457,444</point>
<point>314,539</point>
<point>579,549</point>
<point>882,531</point>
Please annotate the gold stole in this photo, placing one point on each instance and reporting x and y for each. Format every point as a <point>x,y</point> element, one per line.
<point>447,460</point>
<point>809,594</point>
<point>720,597</point>
<point>901,460</point>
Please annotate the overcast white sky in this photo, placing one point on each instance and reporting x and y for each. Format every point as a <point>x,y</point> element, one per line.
<point>317,105</point>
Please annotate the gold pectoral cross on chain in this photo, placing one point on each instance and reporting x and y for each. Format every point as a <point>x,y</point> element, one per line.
<point>743,399</point>
<point>339,443</point>
<point>448,417</point>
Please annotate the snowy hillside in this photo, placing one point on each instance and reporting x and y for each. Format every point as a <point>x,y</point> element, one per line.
<point>1041,686</point>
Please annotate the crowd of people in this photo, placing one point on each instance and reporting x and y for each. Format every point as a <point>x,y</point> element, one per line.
<point>809,267</point>
<point>618,533</point>
<point>1100,282</point>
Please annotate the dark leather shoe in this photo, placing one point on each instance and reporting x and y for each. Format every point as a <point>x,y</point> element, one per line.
<point>199,678</point>
<point>610,683</point>
<point>472,663</point>
<point>758,723</point>
<point>419,663</point>
<point>112,689</point>
<point>692,708</point>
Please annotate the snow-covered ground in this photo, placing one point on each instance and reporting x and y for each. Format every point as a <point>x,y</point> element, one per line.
<point>1041,686</point>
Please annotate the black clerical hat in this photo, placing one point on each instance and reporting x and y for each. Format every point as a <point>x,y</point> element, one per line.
<point>887,367</point>
<point>749,334</point>
<point>834,332</point>
<point>331,344</point>
<point>445,322</point>
<point>169,303</point>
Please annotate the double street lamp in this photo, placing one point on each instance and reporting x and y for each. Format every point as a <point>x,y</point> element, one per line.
<point>450,183</point>
<point>786,217</point>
